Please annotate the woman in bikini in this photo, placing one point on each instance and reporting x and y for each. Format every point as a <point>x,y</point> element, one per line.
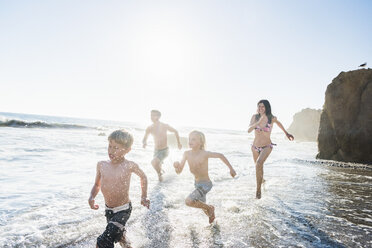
<point>262,123</point>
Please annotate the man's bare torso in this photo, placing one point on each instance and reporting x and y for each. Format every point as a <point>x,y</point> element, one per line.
<point>115,182</point>
<point>159,131</point>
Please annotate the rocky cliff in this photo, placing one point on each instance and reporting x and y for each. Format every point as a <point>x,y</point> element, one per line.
<point>345,131</point>
<point>305,125</point>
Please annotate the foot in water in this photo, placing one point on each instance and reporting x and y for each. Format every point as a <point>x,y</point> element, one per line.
<point>210,214</point>
<point>264,184</point>
<point>160,175</point>
<point>258,194</point>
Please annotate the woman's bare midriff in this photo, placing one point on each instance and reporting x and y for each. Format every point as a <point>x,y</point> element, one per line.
<point>261,139</point>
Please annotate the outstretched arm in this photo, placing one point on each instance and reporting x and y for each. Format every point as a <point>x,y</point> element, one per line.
<point>136,170</point>
<point>171,129</point>
<point>144,141</point>
<point>280,125</point>
<point>224,159</point>
<point>95,189</point>
<point>179,166</point>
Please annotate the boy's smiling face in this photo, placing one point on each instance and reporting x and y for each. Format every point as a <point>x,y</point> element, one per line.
<point>194,141</point>
<point>116,151</point>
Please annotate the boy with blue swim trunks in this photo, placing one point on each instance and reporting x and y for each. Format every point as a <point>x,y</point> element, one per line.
<point>159,132</point>
<point>113,179</point>
<point>197,159</point>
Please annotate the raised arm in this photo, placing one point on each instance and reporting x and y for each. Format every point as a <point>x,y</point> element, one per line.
<point>254,123</point>
<point>136,170</point>
<point>280,125</point>
<point>171,129</point>
<point>95,189</point>
<point>224,159</point>
<point>144,141</point>
<point>178,166</point>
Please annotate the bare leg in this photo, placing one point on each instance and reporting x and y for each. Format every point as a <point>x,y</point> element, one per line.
<point>255,154</point>
<point>124,242</point>
<point>208,209</point>
<point>259,169</point>
<point>157,166</point>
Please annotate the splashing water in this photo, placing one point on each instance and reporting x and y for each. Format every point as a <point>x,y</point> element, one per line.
<point>46,176</point>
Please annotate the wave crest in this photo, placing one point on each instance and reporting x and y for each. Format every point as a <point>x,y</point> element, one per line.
<point>38,124</point>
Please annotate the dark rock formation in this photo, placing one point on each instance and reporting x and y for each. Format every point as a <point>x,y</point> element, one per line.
<point>305,125</point>
<point>345,131</point>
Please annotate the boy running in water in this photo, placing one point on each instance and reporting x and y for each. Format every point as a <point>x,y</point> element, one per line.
<point>113,179</point>
<point>197,159</point>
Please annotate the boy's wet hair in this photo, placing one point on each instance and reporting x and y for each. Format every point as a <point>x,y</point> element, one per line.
<point>122,137</point>
<point>202,138</point>
<point>157,112</point>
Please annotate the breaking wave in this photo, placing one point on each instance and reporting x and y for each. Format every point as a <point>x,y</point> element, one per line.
<point>38,124</point>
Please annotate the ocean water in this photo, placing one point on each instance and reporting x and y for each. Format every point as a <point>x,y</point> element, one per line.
<point>47,169</point>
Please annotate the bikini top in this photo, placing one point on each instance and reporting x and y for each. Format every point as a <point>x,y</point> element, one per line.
<point>267,128</point>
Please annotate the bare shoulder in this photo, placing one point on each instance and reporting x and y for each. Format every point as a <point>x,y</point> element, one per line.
<point>164,125</point>
<point>149,128</point>
<point>209,153</point>
<point>132,165</point>
<point>187,153</point>
<point>274,119</point>
<point>100,164</point>
<point>205,155</point>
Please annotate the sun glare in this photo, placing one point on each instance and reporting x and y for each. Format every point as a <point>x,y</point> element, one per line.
<point>164,54</point>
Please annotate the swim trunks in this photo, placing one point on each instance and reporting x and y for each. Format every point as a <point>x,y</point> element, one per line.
<point>116,220</point>
<point>161,154</point>
<point>201,190</point>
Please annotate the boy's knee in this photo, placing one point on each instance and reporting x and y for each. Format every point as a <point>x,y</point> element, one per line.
<point>155,162</point>
<point>189,201</point>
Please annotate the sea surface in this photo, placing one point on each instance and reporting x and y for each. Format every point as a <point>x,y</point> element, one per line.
<point>47,169</point>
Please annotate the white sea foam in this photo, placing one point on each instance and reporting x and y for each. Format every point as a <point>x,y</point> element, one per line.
<point>46,176</point>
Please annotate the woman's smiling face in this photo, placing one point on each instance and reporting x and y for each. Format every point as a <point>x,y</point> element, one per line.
<point>261,109</point>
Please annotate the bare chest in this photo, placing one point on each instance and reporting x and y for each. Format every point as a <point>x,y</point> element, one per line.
<point>198,163</point>
<point>159,130</point>
<point>115,176</point>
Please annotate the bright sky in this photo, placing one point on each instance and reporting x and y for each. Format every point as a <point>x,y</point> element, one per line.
<point>201,63</point>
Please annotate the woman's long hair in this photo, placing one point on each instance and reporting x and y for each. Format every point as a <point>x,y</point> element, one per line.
<point>268,113</point>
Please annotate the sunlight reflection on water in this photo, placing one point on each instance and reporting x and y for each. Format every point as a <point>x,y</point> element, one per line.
<point>46,176</point>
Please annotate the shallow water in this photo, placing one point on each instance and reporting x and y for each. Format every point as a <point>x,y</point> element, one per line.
<point>46,175</point>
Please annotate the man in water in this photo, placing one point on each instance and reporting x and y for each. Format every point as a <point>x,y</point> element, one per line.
<point>159,132</point>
